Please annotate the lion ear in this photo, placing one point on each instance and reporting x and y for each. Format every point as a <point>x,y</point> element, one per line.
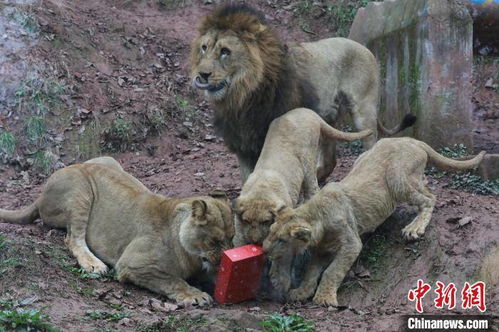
<point>199,209</point>
<point>301,233</point>
<point>218,194</point>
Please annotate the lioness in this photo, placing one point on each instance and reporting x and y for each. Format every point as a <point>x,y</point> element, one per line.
<point>286,167</point>
<point>152,241</point>
<point>252,77</point>
<point>329,225</point>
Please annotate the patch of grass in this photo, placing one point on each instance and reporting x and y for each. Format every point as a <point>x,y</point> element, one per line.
<point>7,142</point>
<point>35,129</point>
<point>24,320</point>
<point>172,4</point>
<point>38,96</point>
<point>26,19</point>
<point>474,183</point>
<point>43,161</point>
<point>373,251</point>
<point>119,135</point>
<point>8,263</point>
<point>85,291</point>
<point>341,15</point>
<point>105,315</point>
<point>173,323</point>
<point>287,323</point>
<point>3,241</point>
<point>455,152</point>
<point>80,272</point>
<point>188,112</point>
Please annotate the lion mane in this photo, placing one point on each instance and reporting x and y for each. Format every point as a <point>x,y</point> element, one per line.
<point>274,87</point>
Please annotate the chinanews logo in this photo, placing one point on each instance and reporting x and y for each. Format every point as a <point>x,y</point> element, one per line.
<point>485,2</point>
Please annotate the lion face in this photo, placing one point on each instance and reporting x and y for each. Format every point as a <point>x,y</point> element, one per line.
<point>208,231</point>
<point>290,235</point>
<point>253,219</point>
<point>222,63</point>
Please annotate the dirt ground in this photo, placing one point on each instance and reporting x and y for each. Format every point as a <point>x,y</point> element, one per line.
<point>124,68</point>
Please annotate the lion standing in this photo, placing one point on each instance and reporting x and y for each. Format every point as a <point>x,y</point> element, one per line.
<point>252,77</point>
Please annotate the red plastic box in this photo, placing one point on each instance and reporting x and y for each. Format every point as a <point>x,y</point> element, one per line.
<point>239,274</point>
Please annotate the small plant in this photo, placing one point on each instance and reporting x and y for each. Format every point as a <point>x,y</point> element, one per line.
<point>103,314</point>
<point>38,96</point>
<point>35,129</point>
<point>85,291</point>
<point>455,152</point>
<point>81,273</point>
<point>8,263</point>
<point>7,142</point>
<point>171,4</point>
<point>373,251</point>
<point>26,20</point>
<point>43,161</point>
<point>474,183</point>
<point>119,135</point>
<point>24,320</point>
<point>287,323</point>
<point>3,241</point>
<point>342,14</point>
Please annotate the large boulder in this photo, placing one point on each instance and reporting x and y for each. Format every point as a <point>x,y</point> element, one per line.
<point>424,48</point>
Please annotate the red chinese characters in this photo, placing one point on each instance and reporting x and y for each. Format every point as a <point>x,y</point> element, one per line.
<point>418,294</point>
<point>474,296</point>
<point>239,274</point>
<point>446,295</point>
<point>471,295</point>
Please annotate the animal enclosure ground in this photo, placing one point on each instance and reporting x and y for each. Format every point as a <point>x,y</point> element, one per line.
<point>111,77</point>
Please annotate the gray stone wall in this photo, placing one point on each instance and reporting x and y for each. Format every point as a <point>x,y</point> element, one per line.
<point>424,48</point>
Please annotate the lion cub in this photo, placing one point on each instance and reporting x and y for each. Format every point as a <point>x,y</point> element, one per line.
<point>288,164</point>
<point>329,225</point>
<point>111,218</point>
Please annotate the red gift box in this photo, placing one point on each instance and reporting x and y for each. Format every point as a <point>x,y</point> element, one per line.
<point>239,274</point>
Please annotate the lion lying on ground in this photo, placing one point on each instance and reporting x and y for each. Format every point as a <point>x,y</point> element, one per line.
<point>329,225</point>
<point>252,77</point>
<point>286,167</point>
<point>111,218</point>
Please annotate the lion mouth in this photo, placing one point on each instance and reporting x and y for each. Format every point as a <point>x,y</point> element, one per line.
<point>210,87</point>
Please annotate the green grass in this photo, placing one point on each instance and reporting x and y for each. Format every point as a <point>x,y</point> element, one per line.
<point>474,183</point>
<point>119,135</point>
<point>105,315</point>
<point>85,291</point>
<point>173,323</point>
<point>24,320</point>
<point>465,180</point>
<point>7,142</point>
<point>88,145</point>
<point>3,241</point>
<point>35,129</point>
<point>8,263</point>
<point>455,152</point>
<point>43,162</point>
<point>373,251</point>
<point>26,19</point>
<point>287,323</point>
<point>39,96</point>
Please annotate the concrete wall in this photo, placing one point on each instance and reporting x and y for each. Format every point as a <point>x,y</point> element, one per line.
<point>424,48</point>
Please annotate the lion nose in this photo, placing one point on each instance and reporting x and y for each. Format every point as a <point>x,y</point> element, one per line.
<point>205,76</point>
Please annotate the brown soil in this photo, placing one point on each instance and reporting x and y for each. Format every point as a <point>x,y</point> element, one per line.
<point>129,59</point>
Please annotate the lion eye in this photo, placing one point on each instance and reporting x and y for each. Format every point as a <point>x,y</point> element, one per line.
<point>224,51</point>
<point>203,48</point>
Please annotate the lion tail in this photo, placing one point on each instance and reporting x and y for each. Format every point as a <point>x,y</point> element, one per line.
<point>24,216</point>
<point>447,163</point>
<point>408,121</point>
<point>334,133</point>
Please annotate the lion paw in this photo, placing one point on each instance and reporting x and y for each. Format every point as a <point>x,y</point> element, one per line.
<point>299,294</point>
<point>192,298</point>
<point>413,231</point>
<point>94,266</point>
<point>326,300</point>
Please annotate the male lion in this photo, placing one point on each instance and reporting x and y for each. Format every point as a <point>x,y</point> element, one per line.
<point>152,241</point>
<point>286,167</point>
<point>252,77</point>
<point>329,225</point>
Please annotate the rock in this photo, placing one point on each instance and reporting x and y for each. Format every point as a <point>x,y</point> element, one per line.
<point>464,221</point>
<point>489,167</point>
<point>424,49</point>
